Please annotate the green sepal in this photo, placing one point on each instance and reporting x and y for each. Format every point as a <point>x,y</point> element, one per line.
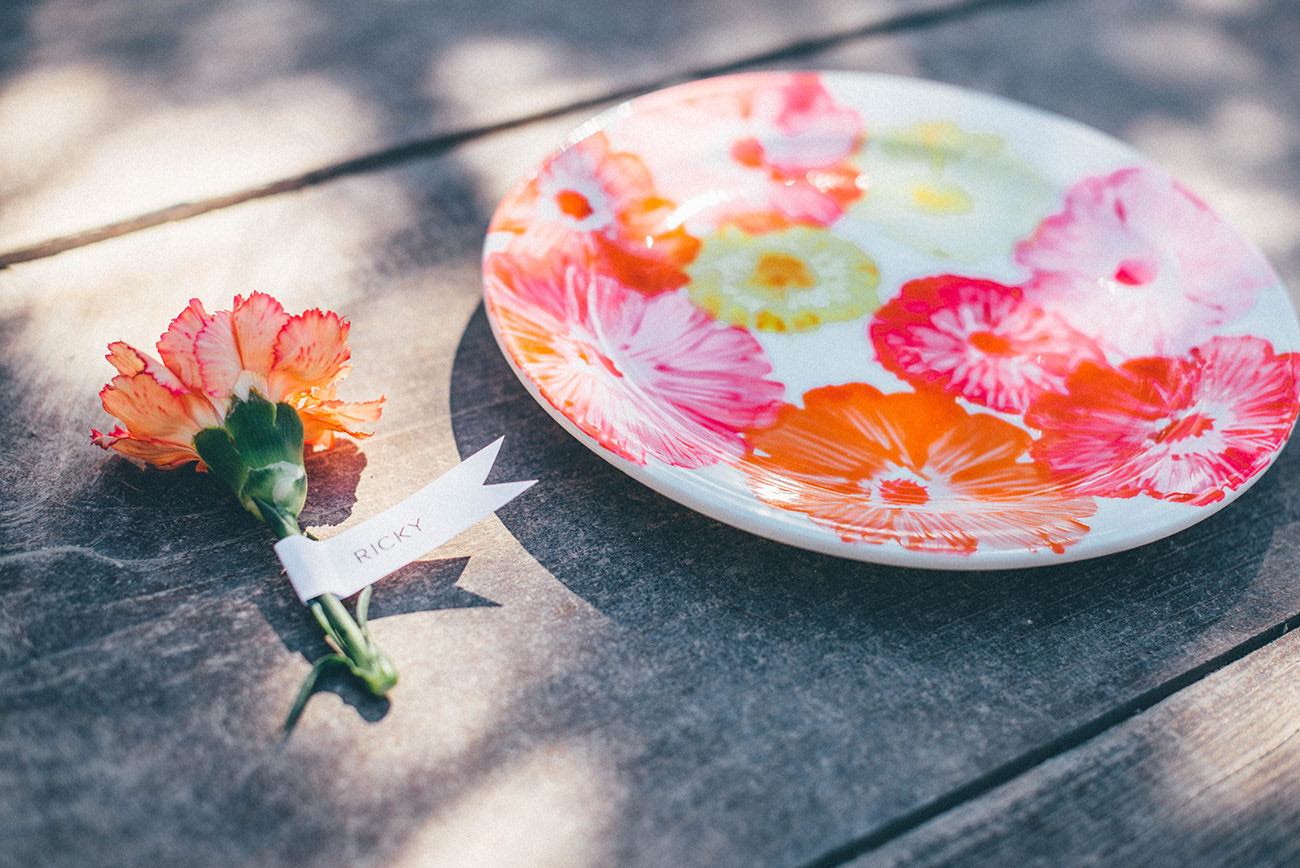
<point>289,425</point>
<point>217,449</point>
<point>261,437</point>
<point>257,453</point>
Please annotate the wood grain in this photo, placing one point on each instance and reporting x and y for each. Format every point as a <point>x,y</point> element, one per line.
<point>1211,776</point>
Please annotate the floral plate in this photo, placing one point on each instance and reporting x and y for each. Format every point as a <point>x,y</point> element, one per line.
<point>893,320</point>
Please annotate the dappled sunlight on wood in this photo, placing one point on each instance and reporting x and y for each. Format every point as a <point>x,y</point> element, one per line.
<point>130,288</point>
<point>549,808</point>
<point>531,73</point>
<point>126,112</point>
<point>166,153</point>
<point>1204,777</point>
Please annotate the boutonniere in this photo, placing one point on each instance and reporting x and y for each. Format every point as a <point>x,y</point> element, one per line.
<point>241,394</point>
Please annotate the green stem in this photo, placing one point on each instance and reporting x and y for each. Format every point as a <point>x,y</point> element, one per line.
<point>282,523</point>
<point>352,642</point>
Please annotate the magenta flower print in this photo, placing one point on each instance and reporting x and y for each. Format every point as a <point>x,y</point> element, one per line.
<point>648,377</point>
<point>1137,261</point>
<point>1182,429</point>
<point>977,339</point>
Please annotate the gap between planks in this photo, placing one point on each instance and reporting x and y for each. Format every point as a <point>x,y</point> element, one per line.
<point>1014,768</point>
<point>435,145</point>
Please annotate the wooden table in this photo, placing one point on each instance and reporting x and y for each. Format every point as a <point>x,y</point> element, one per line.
<point>597,676</point>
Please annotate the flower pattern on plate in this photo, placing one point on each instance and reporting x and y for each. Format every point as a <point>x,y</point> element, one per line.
<point>648,377</point>
<point>791,280</point>
<point>993,356</point>
<point>951,193</point>
<point>605,203</point>
<point>913,469</point>
<point>779,150</point>
<point>977,339</point>
<point>1183,429</point>
<point>1137,261</point>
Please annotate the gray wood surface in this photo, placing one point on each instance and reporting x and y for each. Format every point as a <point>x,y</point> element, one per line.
<point>597,676</point>
<point>1208,777</point>
<point>124,106</point>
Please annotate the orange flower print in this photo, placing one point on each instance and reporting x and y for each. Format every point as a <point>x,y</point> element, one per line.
<point>208,359</point>
<point>605,204</point>
<point>913,469</point>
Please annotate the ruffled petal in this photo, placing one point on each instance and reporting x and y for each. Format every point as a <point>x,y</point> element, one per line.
<point>310,353</point>
<point>105,441</point>
<point>128,360</point>
<point>321,419</point>
<point>159,453</point>
<point>177,346</point>
<point>125,358</point>
<point>217,352</point>
<point>257,322</point>
<point>149,409</point>
<point>236,349</point>
<point>159,422</point>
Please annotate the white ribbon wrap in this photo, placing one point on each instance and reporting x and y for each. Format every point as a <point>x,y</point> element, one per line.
<point>359,556</point>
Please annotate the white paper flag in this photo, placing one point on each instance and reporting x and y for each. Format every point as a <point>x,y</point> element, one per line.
<point>359,556</point>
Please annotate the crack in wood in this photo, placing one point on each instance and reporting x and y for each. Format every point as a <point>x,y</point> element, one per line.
<point>436,145</point>
<point>1026,762</point>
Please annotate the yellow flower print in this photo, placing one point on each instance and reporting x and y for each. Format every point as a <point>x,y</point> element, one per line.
<point>950,193</point>
<point>787,281</point>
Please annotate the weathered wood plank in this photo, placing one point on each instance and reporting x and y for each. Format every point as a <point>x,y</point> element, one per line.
<point>120,108</point>
<point>598,677</point>
<point>1211,776</point>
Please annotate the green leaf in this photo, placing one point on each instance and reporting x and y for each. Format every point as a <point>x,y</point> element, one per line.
<point>308,685</point>
<point>363,609</point>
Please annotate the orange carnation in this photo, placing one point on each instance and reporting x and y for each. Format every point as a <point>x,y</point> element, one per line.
<point>210,359</point>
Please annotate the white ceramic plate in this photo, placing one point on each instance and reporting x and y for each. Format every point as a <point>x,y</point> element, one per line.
<point>893,320</point>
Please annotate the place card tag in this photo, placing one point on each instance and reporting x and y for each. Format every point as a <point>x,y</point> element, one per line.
<point>359,556</point>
